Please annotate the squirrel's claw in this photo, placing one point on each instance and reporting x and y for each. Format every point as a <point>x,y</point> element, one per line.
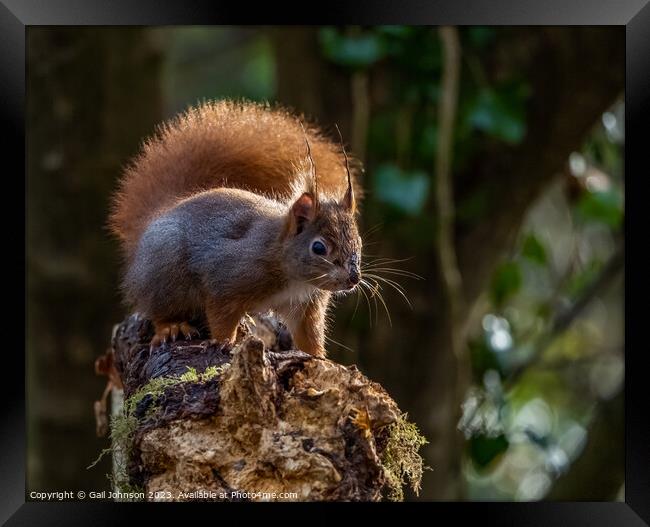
<point>154,343</point>
<point>166,332</point>
<point>188,331</point>
<point>160,337</point>
<point>173,331</point>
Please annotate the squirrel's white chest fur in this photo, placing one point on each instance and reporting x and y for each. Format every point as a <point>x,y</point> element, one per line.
<point>294,294</point>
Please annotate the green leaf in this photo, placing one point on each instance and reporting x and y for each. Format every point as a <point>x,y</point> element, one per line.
<point>601,207</point>
<point>484,449</point>
<point>582,279</point>
<point>506,281</point>
<point>483,358</point>
<point>407,191</point>
<point>533,250</point>
<point>499,113</point>
<point>352,51</point>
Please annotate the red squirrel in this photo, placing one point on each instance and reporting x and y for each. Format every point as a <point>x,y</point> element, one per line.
<point>236,207</point>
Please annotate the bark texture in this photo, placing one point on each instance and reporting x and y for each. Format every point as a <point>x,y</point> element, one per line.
<point>206,421</point>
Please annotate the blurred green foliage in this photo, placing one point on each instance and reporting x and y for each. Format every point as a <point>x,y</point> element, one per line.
<point>533,249</point>
<point>246,66</point>
<point>602,206</point>
<point>505,283</point>
<point>404,128</point>
<point>485,450</point>
<point>542,402</point>
<point>358,51</point>
<point>407,191</point>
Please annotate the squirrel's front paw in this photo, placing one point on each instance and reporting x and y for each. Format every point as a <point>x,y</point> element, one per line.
<point>170,331</point>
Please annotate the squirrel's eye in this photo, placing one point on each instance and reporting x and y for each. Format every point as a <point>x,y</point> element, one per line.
<point>319,248</point>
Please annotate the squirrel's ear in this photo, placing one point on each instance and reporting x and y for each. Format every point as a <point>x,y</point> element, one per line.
<point>303,210</point>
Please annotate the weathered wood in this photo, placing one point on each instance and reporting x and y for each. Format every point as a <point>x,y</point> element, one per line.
<point>257,421</point>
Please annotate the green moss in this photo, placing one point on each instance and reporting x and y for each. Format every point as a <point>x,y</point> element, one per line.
<point>400,459</point>
<point>124,425</point>
<point>210,373</point>
<point>156,387</point>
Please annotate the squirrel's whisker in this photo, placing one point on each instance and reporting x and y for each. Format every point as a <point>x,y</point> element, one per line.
<point>372,230</point>
<point>394,285</point>
<point>371,287</point>
<point>361,290</point>
<point>356,305</point>
<point>330,339</point>
<point>388,260</point>
<point>391,270</point>
<point>383,302</point>
<point>388,280</point>
<point>367,285</point>
<point>374,293</point>
<point>317,278</point>
<point>325,260</point>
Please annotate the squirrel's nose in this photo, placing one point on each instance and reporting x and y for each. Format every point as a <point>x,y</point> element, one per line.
<point>354,277</point>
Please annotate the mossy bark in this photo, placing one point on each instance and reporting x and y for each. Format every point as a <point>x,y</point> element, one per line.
<point>256,421</point>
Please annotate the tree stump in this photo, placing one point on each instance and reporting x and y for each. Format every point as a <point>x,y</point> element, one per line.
<point>256,421</point>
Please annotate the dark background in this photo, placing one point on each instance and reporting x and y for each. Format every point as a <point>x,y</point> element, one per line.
<point>530,405</point>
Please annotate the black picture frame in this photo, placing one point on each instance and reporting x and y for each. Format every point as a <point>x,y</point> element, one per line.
<point>17,15</point>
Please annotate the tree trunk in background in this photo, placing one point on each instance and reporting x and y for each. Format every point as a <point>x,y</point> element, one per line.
<point>307,83</point>
<point>576,74</point>
<point>93,94</point>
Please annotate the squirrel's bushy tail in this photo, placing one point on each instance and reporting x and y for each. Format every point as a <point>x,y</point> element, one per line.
<point>236,144</point>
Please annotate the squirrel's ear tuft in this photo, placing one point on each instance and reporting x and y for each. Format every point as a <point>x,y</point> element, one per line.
<point>311,184</point>
<point>349,202</point>
<point>303,210</point>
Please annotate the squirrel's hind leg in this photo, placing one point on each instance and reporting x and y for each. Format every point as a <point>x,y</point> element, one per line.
<point>222,323</point>
<point>165,331</point>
